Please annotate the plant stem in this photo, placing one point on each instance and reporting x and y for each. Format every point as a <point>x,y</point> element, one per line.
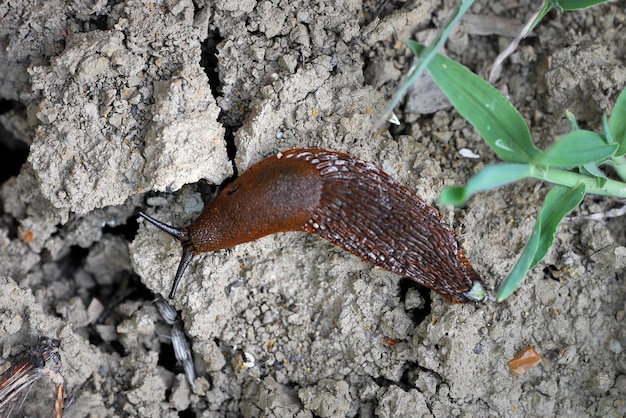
<point>593,185</point>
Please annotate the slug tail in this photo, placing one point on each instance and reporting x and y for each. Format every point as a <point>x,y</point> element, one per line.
<point>185,240</point>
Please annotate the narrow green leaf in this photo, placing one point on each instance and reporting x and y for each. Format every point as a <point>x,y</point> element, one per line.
<point>606,131</point>
<point>493,116</point>
<point>576,4</point>
<point>617,123</point>
<point>522,266</point>
<point>559,202</point>
<point>578,147</point>
<point>488,178</point>
<point>427,56</point>
<point>594,171</point>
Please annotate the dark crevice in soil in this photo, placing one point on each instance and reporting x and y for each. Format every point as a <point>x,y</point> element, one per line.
<point>384,382</point>
<point>10,224</point>
<point>548,272</point>
<point>397,131</point>
<point>419,314</point>
<point>187,413</point>
<point>411,374</point>
<point>209,61</point>
<point>13,152</point>
<point>167,358</point>
<point>207,190</point>
<point>8,105</point>
<point>127,230</point>
<point>73,260</point>
<point>229,137</point>
<point>100,22</point>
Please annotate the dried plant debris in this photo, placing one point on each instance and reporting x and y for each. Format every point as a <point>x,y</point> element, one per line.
<point>40,360</point>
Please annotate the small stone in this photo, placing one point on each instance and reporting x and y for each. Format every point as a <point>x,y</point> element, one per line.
<point>524,360</point>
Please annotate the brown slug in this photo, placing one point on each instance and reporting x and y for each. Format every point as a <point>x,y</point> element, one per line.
<point>347,201</point>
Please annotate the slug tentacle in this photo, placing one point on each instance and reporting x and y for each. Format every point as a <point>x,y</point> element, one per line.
<point>182,266</point>
<point>175,232</point>
<point>185,240</point>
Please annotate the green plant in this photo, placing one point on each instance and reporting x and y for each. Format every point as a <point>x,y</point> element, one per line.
<point>427,55</point>
<point>573,163</point>
<point>463,6</point>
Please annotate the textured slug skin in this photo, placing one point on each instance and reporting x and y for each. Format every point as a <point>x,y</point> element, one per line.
<point>274,195</point>
<point>347,201</point>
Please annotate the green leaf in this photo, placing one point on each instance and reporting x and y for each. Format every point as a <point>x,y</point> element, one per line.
<point>427,56</point>
<point>521,267</point>
<point>619,164</point>
<point>493,116</point>
<point>490,177</point>
<point>617,123</point>
<point>606,131</point>
<point>594,171</point>
<point>576,4</point>
<point>559,202</point>
<point>578,147</point>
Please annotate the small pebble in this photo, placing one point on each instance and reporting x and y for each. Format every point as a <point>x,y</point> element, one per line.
<point>524,360</point>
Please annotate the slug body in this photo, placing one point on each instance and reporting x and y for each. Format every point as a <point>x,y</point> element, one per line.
<point>347,201</point>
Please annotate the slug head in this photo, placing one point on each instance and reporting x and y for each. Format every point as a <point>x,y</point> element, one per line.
<point>274,195</point>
